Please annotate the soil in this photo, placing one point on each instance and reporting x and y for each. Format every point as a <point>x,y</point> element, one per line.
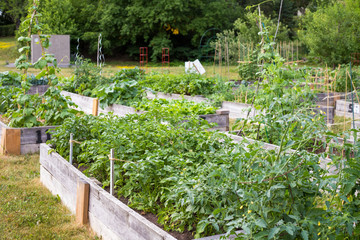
<point>4,119</point>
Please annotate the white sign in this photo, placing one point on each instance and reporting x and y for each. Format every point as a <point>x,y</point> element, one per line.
<point>356,108</point>
<point>194,67</point>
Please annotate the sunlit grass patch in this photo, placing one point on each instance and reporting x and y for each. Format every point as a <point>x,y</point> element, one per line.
<point>27,208</point>
<point>6,45</point>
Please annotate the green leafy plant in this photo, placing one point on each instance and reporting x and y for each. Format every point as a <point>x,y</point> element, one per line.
<point>182,107</point>
<point>122,92</point>
<point>203,182</point>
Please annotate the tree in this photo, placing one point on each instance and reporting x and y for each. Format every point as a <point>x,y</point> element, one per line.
<point>332,32</point>
<point>164,23</point>
<point>14,9</point>
<point>249,28</point>
<point>58,17</point>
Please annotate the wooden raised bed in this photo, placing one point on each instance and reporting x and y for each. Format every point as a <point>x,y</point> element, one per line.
<point>174,96</point>
<point>90,105</point>
<point>347,108</point>
<point>18,141</point>
<point>106,215</point>
<point>40,89</point>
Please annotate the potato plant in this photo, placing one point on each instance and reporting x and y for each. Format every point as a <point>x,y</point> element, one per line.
<point>201,181</point>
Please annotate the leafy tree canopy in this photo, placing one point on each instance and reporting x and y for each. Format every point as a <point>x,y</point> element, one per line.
<point>332,33</point>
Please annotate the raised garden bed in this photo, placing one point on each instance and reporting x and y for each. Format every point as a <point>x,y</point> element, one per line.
<point>174,96</point>
<point>107,215</point>
<point>347,108</point>
<point>22,140</point>
<point>38,89</point>
<point>90,105</point>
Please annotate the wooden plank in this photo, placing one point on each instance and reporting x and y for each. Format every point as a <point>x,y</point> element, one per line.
<point>35,135</point>
<point>57,188</point>
<point>82,202</point>
<point>95,106</point>
<point>10,141</point>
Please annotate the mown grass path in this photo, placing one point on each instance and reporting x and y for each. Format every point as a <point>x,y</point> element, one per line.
<point>27,208</point>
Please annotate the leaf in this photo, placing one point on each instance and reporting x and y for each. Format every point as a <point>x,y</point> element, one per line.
<point>216,211</point>
<point>289,230</point>
<point>261,223</point>
<point>273,232</point>
<point>200,228</point>
<point>40,64</point>
<point>26,48</point>
<point>24,39</point>
<point>305,235</point>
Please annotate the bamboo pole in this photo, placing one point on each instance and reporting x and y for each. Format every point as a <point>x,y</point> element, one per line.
<point>239,49</point>
<point>220,60</point>
<point>297,49</point>
<point>216,47</point>
<point>327,102</point>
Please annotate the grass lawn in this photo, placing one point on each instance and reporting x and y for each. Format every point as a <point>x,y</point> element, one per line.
<point>8,54</point>
<point>27,208</point>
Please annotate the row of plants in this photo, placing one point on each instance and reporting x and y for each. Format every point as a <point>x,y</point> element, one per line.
<point>201,181</point>
<point>125,87</point>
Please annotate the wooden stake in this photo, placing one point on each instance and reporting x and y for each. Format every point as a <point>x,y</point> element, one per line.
<point>82,202</point>
<point>95,106</point>
<point>239,49</point>
<point>297,49</point>
<point>220,60</point>
<point>327,100</point>
<point>10,141</point>
<point>216,47</point>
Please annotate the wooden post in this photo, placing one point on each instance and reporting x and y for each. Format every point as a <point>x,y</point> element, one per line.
<point>82,202</point>
<point>10,141</point>
<point>95,106</point>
